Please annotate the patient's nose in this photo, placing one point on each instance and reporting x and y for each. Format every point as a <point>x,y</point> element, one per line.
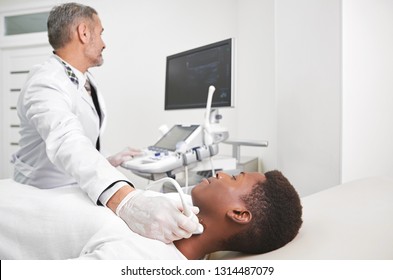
<point>221,175</point>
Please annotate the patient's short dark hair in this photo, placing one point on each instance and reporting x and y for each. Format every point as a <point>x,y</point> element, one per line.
<point>277,216</point>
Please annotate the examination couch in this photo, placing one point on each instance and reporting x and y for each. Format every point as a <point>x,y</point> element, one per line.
<point>350,221</point>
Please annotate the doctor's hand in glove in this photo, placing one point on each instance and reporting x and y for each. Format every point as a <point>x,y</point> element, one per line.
<point>125,155</point>
<point>155,216</point>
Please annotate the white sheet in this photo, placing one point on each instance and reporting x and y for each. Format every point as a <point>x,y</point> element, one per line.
<point>349,221</point>
<point>63,223</point>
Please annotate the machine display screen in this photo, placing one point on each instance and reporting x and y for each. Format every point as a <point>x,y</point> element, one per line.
<point>189,75</point>
<point>176,134</point>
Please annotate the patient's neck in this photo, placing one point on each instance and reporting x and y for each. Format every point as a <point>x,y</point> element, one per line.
<point>195,247</point>
<point>199,245</point>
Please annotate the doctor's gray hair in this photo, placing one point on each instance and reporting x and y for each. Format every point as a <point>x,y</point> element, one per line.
<point>65,18</point>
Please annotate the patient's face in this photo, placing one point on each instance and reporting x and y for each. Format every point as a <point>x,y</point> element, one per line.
<point>216,195</point>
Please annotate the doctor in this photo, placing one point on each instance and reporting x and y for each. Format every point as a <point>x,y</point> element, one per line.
<point>62,115</point>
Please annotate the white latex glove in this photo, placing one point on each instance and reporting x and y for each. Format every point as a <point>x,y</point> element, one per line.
<point>127,154</point>
<point>156,217</point>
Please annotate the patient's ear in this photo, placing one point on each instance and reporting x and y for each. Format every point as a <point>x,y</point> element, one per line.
<point>241,216</point>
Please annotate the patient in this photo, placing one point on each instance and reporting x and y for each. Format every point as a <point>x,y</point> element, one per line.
<point>251,213</point>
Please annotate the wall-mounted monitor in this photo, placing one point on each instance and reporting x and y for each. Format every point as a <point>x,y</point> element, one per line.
<point>190,73</point>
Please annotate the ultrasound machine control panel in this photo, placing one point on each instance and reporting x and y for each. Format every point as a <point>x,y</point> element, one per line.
<point>181,146</point>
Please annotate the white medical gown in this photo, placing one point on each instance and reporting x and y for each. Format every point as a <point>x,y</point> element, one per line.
<point>59,130</point>
<point>63,223</point>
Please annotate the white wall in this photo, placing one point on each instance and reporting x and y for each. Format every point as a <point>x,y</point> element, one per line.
<point>256,99</point>
<point>367,88</point>
<point>308,89</point>
<point>138,41</point>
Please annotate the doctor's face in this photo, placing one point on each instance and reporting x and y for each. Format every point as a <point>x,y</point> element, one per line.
<point>96,45</point>
<point>217,195</point>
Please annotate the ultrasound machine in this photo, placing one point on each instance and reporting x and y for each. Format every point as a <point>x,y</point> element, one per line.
<point>190,77</point>
<point>181,147</point>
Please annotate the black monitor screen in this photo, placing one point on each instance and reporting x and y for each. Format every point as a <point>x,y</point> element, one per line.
<point>189,75</point>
